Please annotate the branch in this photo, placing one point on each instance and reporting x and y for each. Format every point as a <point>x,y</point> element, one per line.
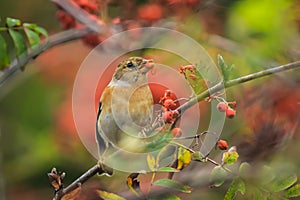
<point>233,82</point>
<point>91,24</point>
<point>82,16</point>
<point>95,169</point>
<point>54,40</point>
<point>78,182</point>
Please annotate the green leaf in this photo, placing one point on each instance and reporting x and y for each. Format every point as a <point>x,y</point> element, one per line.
<point>283,182</point>
<point>293,191</point>
<point>184,158</point>
<point>109,196</point>
<point>195,81</point>
<point>19,42</point>
<point>33,37</point>
<point>230,157</point>
<point>160,141</point>
<point>151,162</point>
<point>4,58</point>
<point>166,152</point>
<point>167,169</point>
<point>218,176</point>
<point>258,195</point>
<point>173,185</point>
<point>245,169</point>
<point>37,30</point>
<point>224,67</point>
<point>267,175</point>
<point>11,22</point>
<point>41,31</point>
<point>198,156</point>
<point>237,185</point>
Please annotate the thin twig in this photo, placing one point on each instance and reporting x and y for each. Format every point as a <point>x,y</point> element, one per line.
<point>78,182</point>
<point>222,85</point>
<point>94,170</point>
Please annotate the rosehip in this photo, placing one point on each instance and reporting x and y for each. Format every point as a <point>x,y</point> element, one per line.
<point>222,145</point>
<point>222,106</point>
<point>230,113</point>
<point>177,132</point>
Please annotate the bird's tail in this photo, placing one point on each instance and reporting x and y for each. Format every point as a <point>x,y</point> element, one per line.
<point>104,170</point>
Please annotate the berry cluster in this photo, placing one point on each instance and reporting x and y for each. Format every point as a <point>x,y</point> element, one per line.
<point>168,112</point>
<point>169,115</point>
<point>226,107</point>
<point>68,21</point>
<point>191,68</point>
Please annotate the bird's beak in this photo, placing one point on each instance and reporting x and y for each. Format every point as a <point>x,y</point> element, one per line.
<point>146,66</point>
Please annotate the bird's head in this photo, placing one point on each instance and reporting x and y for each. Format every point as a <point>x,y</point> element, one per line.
<point>133,70</point>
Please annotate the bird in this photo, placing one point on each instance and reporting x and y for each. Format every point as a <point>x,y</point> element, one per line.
<point>125,110</point>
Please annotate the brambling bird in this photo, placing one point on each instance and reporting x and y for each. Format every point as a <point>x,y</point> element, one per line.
<point>125,109</point>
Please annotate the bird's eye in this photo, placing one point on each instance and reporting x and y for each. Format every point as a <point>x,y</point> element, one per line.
<point>130,64</point>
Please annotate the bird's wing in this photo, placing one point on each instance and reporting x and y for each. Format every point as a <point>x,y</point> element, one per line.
<point>102,146</point>
<point>101,141</point>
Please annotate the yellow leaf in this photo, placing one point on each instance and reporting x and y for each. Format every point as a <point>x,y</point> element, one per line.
<point>109,196</point>
<point>151,162</point>
<point>184,158</point>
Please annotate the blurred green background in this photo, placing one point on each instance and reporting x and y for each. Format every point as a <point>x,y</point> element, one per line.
<point>36,128</point>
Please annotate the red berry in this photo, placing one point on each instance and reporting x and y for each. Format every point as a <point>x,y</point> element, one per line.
<point>222,145</point>
<point>230,113</point>
<point>177,132</point>
<point>169,104</point>
<point>167,95</point>
<point>150,12</point>
<point>222,106</point>
<point>168,117</point>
